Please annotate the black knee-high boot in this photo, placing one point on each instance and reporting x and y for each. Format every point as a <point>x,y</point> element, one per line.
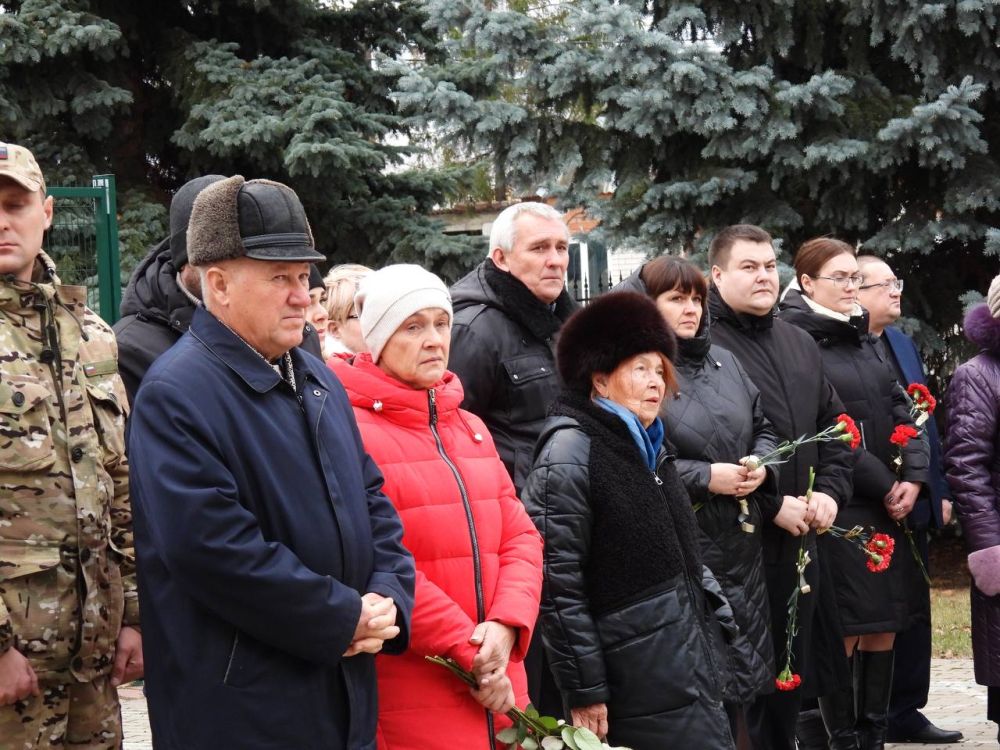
<point>839,717</point>
<point>873,685</point>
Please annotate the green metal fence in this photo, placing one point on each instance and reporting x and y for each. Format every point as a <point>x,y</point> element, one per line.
<point>83,241</point>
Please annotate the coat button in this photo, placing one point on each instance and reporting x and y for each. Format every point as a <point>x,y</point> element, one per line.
<point>77,663</point>
<point>317,393</point>
<point>76,454</point>
<point>84,554</point>
<point>514,377</point>
<point>18,399</point>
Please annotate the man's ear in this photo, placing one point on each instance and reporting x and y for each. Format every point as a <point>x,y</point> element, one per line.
<point>217,286</point>
<point>499,257</point>
<point>47,204</point>
<point>716,274</point>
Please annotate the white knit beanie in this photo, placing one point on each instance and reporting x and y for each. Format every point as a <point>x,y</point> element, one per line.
<point>392,294</point>
<point>993,298</point>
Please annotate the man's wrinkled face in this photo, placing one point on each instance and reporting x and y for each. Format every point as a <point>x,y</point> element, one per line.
<point>24,217</point>
<point>749,281</point>
<point>539,257</point>
<point>879,296</point>
<point>264,301</point>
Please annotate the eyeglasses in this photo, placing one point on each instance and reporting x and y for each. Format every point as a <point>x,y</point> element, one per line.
<point>895,285</point>
<point>844,281</point>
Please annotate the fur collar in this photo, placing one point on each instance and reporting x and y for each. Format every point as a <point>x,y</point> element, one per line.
<point>525,308</point>
<point>982,329</point>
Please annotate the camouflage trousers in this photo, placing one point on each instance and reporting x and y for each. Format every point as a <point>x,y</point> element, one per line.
<point>81,715</point>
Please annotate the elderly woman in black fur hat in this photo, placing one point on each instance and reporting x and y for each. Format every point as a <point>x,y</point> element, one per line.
<point>627,607</point>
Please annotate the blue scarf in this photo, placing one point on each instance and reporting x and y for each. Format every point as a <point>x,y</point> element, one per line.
<point>648,439</point>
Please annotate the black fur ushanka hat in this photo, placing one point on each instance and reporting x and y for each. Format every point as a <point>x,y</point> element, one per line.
<point>609,330</point>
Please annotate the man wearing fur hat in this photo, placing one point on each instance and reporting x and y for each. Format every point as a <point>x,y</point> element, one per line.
<point>508,311</point>
<point>273,563</point>
<point>69,614</point>
<point>162,293</point>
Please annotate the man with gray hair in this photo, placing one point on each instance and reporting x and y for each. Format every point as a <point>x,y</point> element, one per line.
<point>881,295</point>
<point>273,563</point>
<point>508,311</point>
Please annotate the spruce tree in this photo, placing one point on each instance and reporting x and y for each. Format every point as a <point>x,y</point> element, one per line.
<point>157,93</point>
<point>871,120</point>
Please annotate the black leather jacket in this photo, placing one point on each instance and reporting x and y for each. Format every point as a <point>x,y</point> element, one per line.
<point>503,351</point>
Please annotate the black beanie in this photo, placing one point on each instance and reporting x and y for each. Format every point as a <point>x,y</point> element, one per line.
<point>608,331</point>
<point>180,215</point>
<point>315,278</point>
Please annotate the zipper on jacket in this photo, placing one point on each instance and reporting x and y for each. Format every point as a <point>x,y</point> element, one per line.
<point>232,655</point>
<point>471,523</point>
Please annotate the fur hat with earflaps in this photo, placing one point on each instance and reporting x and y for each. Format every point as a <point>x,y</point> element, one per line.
<point>259,219</point>
<point>602,335</point>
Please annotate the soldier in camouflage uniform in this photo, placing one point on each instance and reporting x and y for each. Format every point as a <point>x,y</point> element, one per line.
<point>68,607</point>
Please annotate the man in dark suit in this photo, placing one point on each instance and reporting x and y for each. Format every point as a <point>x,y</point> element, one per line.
<point>880,295</point>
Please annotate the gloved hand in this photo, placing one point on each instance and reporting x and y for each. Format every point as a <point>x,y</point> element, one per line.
<point>984,564</point>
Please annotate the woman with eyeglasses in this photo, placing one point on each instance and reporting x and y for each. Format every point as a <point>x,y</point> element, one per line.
<point>873,607</point>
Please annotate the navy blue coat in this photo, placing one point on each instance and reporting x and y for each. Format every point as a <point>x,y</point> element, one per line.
<point>258,524</point>
<point>908,358</point>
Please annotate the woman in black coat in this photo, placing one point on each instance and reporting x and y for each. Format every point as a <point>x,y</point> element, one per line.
<point>872,606</point>
<point>713,422</point>
<point>627,610</point>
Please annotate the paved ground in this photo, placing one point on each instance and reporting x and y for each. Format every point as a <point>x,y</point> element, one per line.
<point>956,702</point>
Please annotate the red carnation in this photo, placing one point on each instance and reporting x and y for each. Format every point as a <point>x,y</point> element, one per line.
<point>850,430</point>
<point>882,544</point>
<point>879,550</point>
<point>902,434</point>
<point>787,681</point>
<point>878,563</point>
<point>921,395</point>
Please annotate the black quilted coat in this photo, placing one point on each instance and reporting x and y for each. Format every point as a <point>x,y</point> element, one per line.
<point>717,417</point>
<point>972,464</point>
<point>867,385</point>
<point>624,612</point>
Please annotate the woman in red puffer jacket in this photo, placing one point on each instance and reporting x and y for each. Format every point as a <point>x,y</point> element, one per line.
<point>478,555</point>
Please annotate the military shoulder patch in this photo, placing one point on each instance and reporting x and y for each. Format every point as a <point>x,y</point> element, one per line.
<point>105,367</point>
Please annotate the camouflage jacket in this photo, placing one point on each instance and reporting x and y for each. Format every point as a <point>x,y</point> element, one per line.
<point>67,571</point>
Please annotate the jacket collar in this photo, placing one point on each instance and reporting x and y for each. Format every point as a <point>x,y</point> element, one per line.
<point>17,296</point>
<point>718,310</point>
<point>369,388</point>
<point>239,357</point>
<point>695,349</point>
<point>154,291</point>
<point>517,301</point>
<point>825,329</point>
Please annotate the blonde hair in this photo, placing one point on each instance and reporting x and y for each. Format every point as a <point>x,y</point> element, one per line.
<point>341,284</point>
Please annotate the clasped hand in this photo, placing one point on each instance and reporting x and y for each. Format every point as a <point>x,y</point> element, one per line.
<point>495,640</point>
<point>376,625</point>
<point>735,479</point>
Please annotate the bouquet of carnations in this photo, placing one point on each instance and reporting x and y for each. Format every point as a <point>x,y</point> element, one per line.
<point>876,546</point>
<point>843,429</point>
<point>922,405</point>
<point>530,731</point>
